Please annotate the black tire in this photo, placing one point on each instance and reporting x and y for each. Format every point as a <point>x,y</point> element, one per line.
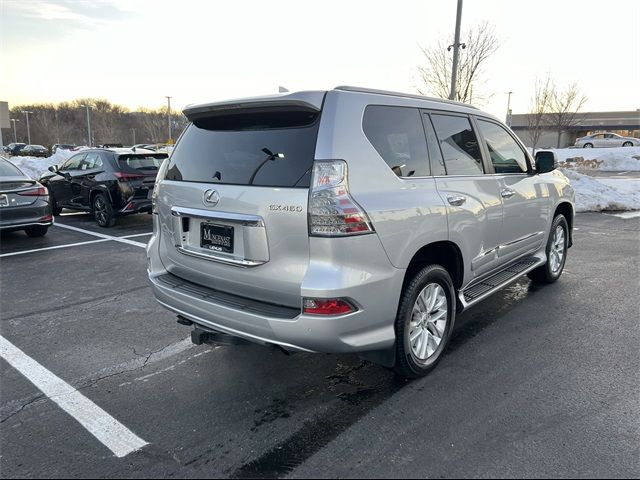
<point>545,274</point>
<point>627,144</point>
<point>55,210</point>
<point>38,231</point>
<point>407,364</point>
<point>103,211</point>
<point>588,145</point>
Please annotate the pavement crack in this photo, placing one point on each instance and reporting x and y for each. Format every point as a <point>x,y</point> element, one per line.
<point>22,407</point>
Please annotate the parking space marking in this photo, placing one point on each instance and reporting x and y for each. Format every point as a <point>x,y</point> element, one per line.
<point>111,433</point>
<point>11,254</point>
<point>102,235</point>
<point>137,235</point>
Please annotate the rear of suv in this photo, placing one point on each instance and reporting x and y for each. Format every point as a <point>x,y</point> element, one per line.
<point>349,220</point>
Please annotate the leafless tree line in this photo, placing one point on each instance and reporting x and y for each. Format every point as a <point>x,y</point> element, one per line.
<point>66,122</point>
<point>553,108</point>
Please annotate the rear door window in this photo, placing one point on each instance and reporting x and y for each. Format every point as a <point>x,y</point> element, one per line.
<point>273,148</point>
<point>398,136</point>
<point>459,144</point>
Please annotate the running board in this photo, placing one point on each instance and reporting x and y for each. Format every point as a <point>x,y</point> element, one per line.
<point>481,290</point>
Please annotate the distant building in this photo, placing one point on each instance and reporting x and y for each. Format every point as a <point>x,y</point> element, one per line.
<point>623,123</point>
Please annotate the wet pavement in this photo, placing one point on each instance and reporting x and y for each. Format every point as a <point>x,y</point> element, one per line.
<point>538,381</point>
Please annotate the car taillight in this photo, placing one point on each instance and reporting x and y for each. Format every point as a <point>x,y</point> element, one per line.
<point>38,191</point>
<point>332,211</point>
<point>326,306</point>
<point>127,177</point>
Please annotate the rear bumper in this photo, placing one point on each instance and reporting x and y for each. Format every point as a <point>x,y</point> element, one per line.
<point>21,226</point>
<point>21,217</point>
<point>370,328</point>
<point>136,206</point>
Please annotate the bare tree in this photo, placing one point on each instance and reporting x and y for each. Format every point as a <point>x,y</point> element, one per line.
<point>540,105</point>
<point>481,42</point>
<point>563,109</point>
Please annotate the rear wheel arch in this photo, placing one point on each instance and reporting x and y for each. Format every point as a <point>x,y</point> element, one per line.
<point>444,253</point>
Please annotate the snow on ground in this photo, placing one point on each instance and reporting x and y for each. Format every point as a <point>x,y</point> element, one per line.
<point>605,194</point>
<point>607,159</point>
<point>36,166</point>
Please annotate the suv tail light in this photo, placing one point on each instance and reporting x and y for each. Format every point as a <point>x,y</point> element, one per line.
<point>38,191</point>
<point>332,211</point>
<point>125,177</point>
<point>326,306</point>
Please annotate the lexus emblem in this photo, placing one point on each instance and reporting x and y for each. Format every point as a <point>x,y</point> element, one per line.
<point>211,198</point>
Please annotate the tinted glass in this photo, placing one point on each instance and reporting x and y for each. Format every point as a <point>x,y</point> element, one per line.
<point>73,163</point>
<point>435,155</point>
<point>274,148</point>
<point>8,169</point>
<point>142,162</point>
<point>506,155</point>
<point>91,161</point>
<point>459,145</point>
<point>398,136</point>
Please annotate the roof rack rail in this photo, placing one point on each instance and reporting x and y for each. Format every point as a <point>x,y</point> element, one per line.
<point>347,88</point>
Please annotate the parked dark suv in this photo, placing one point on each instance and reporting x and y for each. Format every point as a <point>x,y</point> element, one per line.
<point>106,182</point>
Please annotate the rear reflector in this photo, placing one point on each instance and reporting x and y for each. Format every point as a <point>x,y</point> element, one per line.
<point>326,306</point>
<point>39,191</point>
<point>46,218</point>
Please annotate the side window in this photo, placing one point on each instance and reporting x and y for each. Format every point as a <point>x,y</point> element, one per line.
<point>506,155</point>
<point>397,135</point>
<point>459,145</point>
<point>435,155</point>
<point>73,163</point>
<point>92,160</point>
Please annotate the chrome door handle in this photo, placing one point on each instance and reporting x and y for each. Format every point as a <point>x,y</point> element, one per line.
<point>456,200</point>
<point>507,193</point>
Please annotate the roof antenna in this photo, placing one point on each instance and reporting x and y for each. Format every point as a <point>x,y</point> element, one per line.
<point>281,89</point>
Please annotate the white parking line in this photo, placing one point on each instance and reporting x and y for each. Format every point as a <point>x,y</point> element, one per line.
<point>113,435</point>
<point>102,235</point>
<point>137,235</point>
<point>54,247</point>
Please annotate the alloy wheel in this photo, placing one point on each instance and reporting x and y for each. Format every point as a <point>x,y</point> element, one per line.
<point>557,250</point>
<point>428,321</point>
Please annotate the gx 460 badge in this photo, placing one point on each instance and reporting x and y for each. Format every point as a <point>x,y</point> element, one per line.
<point>286,208</point>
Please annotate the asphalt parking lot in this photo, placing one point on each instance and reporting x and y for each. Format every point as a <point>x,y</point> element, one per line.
<point>538,381</point>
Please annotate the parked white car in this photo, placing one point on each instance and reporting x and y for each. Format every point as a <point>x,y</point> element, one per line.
<point>607,139</point>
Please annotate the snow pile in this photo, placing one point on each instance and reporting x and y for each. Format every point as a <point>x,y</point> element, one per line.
<point>594,196</point>
<point>36,166</point>
<point>608,159</point>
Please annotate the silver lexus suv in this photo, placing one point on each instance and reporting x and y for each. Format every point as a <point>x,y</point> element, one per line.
<point>349,220</point>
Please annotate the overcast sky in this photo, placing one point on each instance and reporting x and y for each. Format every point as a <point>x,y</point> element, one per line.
<point>134,52</point>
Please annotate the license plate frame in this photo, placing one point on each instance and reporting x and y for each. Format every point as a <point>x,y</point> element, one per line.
<point>217,238</point>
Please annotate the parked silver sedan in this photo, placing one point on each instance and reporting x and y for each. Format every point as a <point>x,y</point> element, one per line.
<point>24,203</point>
<point>607,139</point>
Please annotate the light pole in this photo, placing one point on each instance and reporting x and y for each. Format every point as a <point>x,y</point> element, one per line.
<point>456,47</point>
<point>88,124</point>
<point>28,130</point>
<point>15,135</point>
<point>169,117</point>
<point>133,130</point>
<point>508,119</point>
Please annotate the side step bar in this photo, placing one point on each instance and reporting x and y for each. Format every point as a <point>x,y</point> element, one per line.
<point>479,291</point>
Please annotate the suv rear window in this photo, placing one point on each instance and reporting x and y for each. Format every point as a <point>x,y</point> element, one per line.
<point>273,148</point>
<point>142,162</point>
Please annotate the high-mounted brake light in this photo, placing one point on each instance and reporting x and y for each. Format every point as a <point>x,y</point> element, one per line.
<point>124,177</point>
<point>332,211</point>
<point>326,306</point>
<point>38,191</point>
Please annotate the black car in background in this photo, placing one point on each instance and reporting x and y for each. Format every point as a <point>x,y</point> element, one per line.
<point>24,203</point>
<point>34,151</point>
<point>14,148</point>
<point>106,182</point>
